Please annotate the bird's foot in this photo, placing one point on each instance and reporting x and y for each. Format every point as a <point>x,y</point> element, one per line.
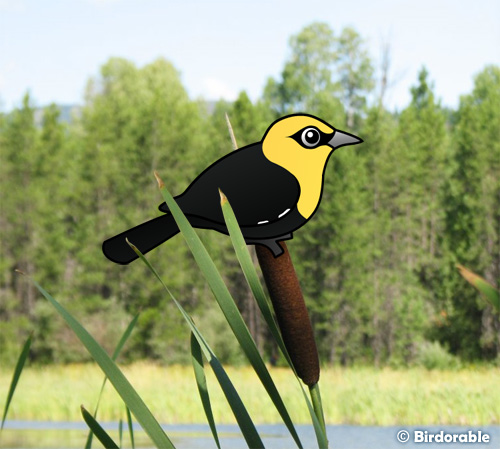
<point>272,244</point>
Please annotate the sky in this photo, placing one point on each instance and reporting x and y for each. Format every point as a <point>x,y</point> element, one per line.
<point>221,47</point>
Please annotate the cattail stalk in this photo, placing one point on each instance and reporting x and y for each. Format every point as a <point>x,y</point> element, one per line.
<point>291,312</point>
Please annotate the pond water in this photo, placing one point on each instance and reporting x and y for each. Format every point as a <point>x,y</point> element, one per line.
<point>35,434</point>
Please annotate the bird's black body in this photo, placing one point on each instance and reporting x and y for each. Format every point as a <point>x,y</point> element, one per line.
<point>274,187</point>
<point>258,190</point>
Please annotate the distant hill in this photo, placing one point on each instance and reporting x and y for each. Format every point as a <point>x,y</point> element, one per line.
<point>68,113</point>
<point>71,111</point>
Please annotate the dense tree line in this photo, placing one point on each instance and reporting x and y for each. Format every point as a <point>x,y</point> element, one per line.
<point>377,262</point>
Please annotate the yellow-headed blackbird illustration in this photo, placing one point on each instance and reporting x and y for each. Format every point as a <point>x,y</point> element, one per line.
<point>274,187</point>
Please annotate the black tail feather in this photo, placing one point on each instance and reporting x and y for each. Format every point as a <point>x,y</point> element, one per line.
<point>145,237</point>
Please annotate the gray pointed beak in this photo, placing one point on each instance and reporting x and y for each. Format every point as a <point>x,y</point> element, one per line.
<point>341,139</point>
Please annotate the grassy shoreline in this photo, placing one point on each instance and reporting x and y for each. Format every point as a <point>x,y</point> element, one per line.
<point>363,396</point>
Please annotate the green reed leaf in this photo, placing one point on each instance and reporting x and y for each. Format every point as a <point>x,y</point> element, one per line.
<point>201,381</point>
<point>98,431</point>
<point>15,377</point>
<point>130,427</point>
<point>488,291</point>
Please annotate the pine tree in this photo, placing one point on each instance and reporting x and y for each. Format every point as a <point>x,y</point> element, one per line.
<point>19,205</point>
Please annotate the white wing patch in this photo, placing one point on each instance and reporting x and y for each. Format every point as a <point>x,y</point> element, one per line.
<point>284,213</point>
<point>279,216</point>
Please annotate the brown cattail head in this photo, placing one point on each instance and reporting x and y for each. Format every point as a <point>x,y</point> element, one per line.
<point>291,312</point>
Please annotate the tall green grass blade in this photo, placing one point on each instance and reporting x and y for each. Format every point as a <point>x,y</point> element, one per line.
<point>240,413</point>
<point>120,432</point>
<point>201,381</point>
<point>228,307</point>
<point>248,268</point>
<point>130,428</point>
<point>115,376</point>
<point>491,293</point>
<point>98,431</point>
<point>250,272</point>
<point>125,336</point>
<point>116,353</point>
<point>15,377</point>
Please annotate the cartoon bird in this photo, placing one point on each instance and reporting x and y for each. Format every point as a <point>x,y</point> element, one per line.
<point>274,187</point>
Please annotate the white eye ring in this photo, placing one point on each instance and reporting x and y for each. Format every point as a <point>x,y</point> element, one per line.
<point>310,137</point>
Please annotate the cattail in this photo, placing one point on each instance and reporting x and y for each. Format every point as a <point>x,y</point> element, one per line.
<point>291,312</point>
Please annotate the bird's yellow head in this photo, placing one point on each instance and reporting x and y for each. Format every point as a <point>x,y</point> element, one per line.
<point>302,145</point>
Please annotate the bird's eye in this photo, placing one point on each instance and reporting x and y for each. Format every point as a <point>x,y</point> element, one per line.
<point>310,137</point>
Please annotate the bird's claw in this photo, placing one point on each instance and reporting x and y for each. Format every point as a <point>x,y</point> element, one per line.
<point>272,244</point>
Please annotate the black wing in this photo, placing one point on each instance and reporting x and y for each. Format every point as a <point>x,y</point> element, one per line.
<point>257,189</point>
